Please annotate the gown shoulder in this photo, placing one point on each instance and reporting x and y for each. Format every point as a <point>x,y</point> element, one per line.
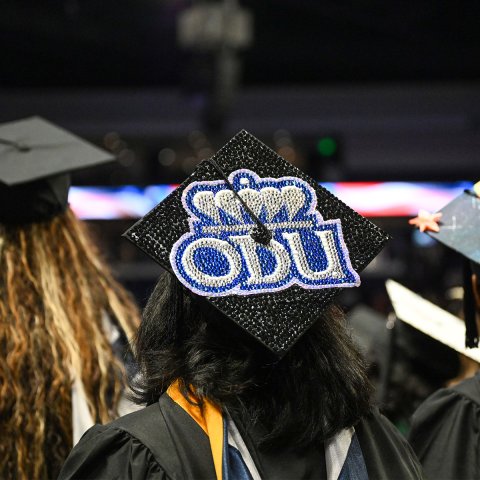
<point>445,432</point>
<point>387,453</point>
<point>109,451</point>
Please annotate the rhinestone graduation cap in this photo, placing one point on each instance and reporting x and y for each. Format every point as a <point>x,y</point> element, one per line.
<point>262,241</point>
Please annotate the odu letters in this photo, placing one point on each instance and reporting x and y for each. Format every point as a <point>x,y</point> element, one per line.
<point>219,257</point>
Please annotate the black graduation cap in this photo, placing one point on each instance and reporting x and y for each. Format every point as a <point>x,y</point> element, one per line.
<point>260,240</point>
<point>36,158</point>
<point>459,229</point>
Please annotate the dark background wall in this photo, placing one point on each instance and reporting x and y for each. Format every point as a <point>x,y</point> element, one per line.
<point>133,42</point>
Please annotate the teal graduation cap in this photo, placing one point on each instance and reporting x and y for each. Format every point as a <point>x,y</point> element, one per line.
<point>457,226</point>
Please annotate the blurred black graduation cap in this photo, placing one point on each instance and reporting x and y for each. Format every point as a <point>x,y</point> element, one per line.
<point>459,229</point>
<point>257,210</point>
<point>36,158</point>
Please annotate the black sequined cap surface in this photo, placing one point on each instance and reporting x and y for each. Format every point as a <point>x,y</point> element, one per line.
<point>183,231</point>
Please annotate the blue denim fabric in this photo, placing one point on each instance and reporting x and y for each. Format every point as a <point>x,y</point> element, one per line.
<point>354,467</point>
<point>233,466</point>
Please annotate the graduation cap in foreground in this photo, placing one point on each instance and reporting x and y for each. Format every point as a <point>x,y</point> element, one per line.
<point>260,240</point>
<point>429,318</point>
<point>36,158</point>
<point>457,225</point>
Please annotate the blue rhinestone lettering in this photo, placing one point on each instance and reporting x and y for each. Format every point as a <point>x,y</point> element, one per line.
<point>218,257</point>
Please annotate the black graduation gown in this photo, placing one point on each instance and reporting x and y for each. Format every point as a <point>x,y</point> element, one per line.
<point>445,432</point>
<point>175,447</point>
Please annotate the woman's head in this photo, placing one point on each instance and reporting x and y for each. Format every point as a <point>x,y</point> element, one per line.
<point>317,388</point>
<point>54,292</point>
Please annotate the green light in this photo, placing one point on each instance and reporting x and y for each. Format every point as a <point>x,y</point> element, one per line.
<point>326,146</point>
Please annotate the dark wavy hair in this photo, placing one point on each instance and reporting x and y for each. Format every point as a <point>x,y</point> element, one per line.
<point>318,388</point>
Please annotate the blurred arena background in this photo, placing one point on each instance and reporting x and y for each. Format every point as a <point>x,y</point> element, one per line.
<point>380,100</point>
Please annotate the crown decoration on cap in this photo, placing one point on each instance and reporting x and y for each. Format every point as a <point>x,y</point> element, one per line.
<point>219,256</point>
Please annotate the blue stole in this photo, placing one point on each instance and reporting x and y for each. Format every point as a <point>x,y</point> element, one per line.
<point>235,468</point>
<point>343,455</point>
